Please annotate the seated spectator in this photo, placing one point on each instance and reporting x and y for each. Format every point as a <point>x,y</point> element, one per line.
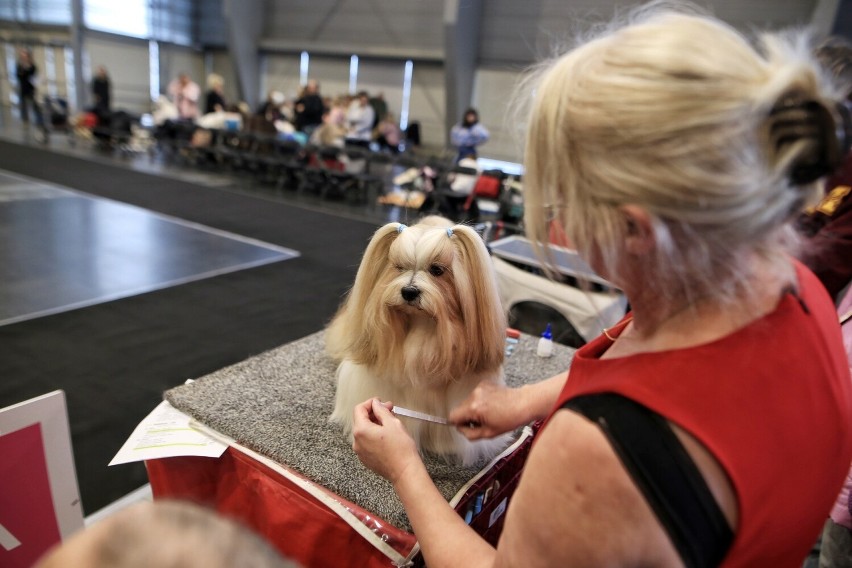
<point>271,107</point>
<point>261,125</point>
<point>164,533</point>
<point>380,108</point>
<point>288,111</point>
<point>329,132</point>
<point>360,117</point>
<point>221,120</point>
<point>185,94</point>
<point>164,110</point>
<point>284,128</point>
<point>389,135</point>
<point>337,110</point>
<point>215,98</point>
<point>468,134</point>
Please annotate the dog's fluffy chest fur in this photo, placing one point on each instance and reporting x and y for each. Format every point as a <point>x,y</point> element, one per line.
<point>421,364</point>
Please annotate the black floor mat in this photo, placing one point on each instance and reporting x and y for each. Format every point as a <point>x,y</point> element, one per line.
<point>115,359</point>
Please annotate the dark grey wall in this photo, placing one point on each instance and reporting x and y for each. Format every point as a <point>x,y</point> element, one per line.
<point>843,24</point>
<point>212,29</point>
<point>410,28</point>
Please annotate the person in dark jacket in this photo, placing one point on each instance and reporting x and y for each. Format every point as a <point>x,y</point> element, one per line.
<point>309,108</point>
<point>215,98</point>
<point>102,93</point>
<point>26,71</point>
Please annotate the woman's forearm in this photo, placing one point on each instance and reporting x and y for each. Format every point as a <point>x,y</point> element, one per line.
<point>444,537</point>
<point>539,398</point>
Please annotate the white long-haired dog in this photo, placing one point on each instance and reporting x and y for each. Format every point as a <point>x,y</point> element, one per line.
<point>422,326</point>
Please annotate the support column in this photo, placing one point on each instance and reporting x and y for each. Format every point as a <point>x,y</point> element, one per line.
<point>462,23</point>
<point>245,19</point>
<point>824,17</point>
<point>80,90</point>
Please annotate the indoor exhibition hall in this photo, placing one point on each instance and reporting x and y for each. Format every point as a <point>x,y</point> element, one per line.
<point>377,283</point>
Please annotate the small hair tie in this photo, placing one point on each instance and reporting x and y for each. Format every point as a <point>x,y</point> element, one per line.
<point>449,231</point>
<point>400,228</point>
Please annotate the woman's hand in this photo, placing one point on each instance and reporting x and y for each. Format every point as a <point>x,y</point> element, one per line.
<point>490,410</point>
<point>381,441</point>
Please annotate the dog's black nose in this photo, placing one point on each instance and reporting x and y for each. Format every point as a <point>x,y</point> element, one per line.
<point>410,293</point>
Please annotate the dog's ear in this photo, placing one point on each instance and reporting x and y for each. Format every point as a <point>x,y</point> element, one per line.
<point>349,328</point>
<point>482,309</point>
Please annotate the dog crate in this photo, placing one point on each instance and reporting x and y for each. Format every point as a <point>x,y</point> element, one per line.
<point>575,301</point>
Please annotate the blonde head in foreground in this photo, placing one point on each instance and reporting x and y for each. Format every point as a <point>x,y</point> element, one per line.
<point>164,534</point>
<point>670,116</point>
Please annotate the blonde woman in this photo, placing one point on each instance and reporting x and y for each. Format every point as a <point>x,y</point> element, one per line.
<point>674,153</point>
<point>215,99</point>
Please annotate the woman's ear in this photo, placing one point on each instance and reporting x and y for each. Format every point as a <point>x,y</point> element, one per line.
<point>639,238</point>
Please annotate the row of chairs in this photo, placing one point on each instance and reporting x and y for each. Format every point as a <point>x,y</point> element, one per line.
<point>352,173</point>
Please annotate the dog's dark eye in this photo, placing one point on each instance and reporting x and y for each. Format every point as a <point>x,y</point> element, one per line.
<point>399,267</point>
<point>436,270</point>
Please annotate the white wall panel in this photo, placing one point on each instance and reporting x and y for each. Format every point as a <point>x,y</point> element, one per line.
<point>428,104</point>
<point>332,74</point>
<point>384,77</point>
<point>175,60</point>
<point>223,64</point>
<point>126,62</point>
<point>38,56</point>
<point>60,81</point>
<point>7,75</point>
<point>492,92</point>
<point>280,72</point>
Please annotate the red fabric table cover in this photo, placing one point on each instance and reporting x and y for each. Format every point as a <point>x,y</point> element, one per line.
<point>295,522</point>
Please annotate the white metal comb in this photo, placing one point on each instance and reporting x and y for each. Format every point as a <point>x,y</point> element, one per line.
<point>418,415</point>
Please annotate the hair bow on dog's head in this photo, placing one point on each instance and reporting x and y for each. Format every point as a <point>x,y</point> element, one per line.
<point>449,231</point>
<point>400,228</point>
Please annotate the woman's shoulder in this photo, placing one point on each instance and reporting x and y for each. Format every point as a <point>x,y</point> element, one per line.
<point>576,504</point>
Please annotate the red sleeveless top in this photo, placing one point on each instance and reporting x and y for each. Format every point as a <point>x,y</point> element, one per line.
<point>772,402</point>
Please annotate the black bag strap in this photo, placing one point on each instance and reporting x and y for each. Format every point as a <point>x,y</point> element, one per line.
<point>664,473</point>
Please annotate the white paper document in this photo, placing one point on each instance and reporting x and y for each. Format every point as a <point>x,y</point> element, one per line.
<point>167,433</point>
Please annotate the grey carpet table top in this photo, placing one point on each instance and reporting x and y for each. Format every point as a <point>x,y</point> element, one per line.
<point>278,403</point>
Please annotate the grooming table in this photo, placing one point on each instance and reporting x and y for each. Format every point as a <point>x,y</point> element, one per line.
<point>293,477</point>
